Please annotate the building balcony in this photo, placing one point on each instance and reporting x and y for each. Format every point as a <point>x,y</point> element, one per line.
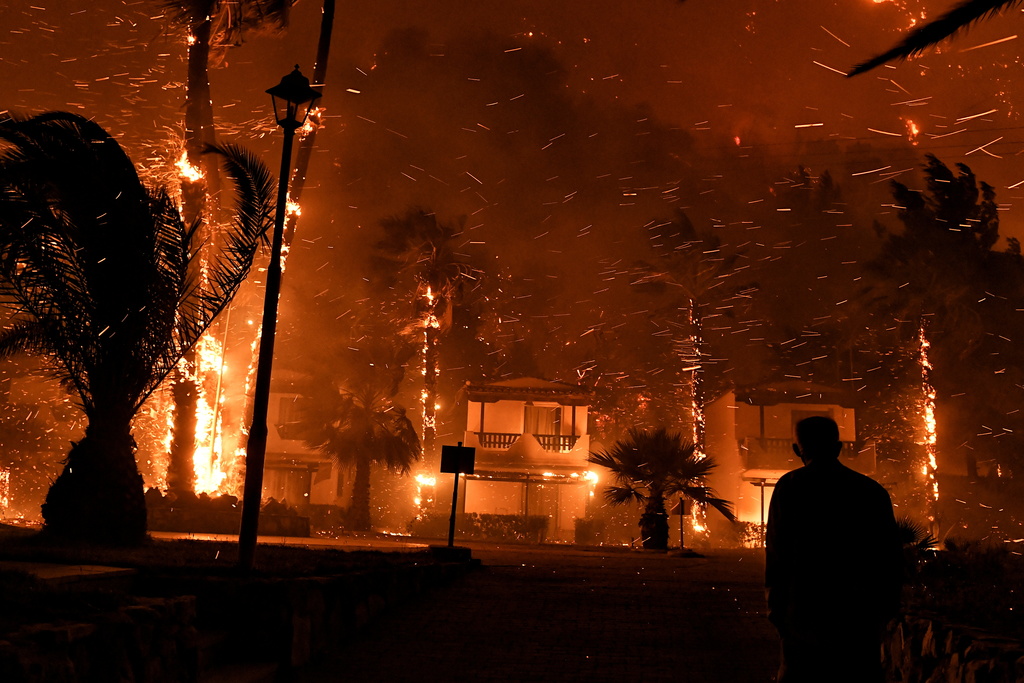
<point>558,443</point>
<point>777,454</point>
<point>497,440</point>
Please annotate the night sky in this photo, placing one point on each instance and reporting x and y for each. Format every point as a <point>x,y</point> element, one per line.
<point>564,135</point>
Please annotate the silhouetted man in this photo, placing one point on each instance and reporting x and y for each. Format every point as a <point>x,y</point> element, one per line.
<point>834,564</point>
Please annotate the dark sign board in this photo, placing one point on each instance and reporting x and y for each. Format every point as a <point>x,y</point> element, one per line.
<point>458,459</point>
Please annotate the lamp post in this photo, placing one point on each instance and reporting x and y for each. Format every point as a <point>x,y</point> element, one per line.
<point>293,98</point>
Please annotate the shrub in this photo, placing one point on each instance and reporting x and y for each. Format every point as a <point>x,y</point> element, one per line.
<point>531,529</point>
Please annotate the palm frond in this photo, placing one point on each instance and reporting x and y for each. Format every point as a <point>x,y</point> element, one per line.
<point>958,19</point>
<point>23,337</point>
<point>199,304</point>
<point>619,495</point>
<point>915,535</point>
<point>657,463</point>
<point>97,265</point>
<point>706,496</point>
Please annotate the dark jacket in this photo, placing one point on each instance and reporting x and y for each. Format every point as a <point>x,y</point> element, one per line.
<point>834,557</point>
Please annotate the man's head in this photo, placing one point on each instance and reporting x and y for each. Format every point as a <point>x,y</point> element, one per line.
<point>817,438</point>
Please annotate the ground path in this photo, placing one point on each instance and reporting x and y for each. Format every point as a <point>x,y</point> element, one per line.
<point>551,613</point>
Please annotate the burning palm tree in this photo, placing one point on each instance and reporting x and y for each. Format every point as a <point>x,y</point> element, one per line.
<point>96,267</point>
<point>691,272</point>
<point>650,466</point>
<point>418,245</point>
<point>212,26</point>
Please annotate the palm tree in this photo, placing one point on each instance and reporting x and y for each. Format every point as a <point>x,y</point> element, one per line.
<point>691,271</point>
<point>353,418</point>
<point>954,21</point>
<point>417,244</point>
<point>95,266</point>
<point>651,465</point>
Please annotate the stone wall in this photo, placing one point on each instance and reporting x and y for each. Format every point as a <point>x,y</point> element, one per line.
<point>289,622</point>
<point>151,640</point>
<point>920,648</point>
<point>190,626</point>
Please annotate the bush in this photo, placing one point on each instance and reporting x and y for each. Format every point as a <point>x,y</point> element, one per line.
<point>974,583</point>
<point>530,529</point>
<point>589,531</point>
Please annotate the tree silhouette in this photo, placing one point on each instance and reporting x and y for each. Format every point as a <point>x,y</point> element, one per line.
<point>416,245</point>
<point>941,277</point>
<point>651,465</point>
<point>690,273</point>
<point>352,417</point>
<point>96,267</point>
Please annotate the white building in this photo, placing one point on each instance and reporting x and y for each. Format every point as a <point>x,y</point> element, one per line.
<point>532,445</point>
<point>749,432</point>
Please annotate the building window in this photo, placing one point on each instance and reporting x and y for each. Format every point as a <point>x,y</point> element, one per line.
<point>542,420</point>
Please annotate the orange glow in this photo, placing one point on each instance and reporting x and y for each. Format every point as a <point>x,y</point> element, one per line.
<point>912,131</point>
<point>5,489</point>
<point>206,459</point>
<point>313,121</point>
<point>293,209</point>
<point>186,170</point>
<point>930,467</point>
<point>425,484</point>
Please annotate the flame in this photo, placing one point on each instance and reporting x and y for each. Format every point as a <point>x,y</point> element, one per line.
<point>191,39</point>
<point>293,209</point>
<point>5,489</point>
<point>207,457</point>
<point>912,131</point>
<point>314,119</point>
<point>912,18</point>
<point>424,481</point>
<point>930,467</point>
<point>186,170</point>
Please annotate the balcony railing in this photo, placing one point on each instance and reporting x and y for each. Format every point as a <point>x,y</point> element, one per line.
<point>496,440</point>
<point>561,443</point>
<point>776,454</point>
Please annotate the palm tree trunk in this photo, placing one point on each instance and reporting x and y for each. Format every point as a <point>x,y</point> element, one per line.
<point>181,474</point>
<point>654,523</point>
<point>429,393</point>
<point>307,141</point>
<point>99,496</point>
<point>198,133</point>
<point>359,513</point>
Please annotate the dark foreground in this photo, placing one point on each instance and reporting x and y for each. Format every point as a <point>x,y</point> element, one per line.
<point>558,614</point>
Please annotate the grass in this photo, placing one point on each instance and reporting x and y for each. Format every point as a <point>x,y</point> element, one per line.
<point>25,600</point>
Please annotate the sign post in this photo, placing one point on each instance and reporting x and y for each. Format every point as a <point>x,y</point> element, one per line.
<point>458,460</point>
<point>682,508</point>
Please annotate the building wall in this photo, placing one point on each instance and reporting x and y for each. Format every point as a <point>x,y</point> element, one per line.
<point>729,423</point>
<point>501,416</point>
<point>563,496</point>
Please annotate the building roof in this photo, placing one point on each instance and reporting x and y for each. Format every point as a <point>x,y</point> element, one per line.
<point>528,389</point>
<point>795,391</point>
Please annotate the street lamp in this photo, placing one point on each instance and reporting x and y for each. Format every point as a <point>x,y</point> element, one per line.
<point>293,98</point>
